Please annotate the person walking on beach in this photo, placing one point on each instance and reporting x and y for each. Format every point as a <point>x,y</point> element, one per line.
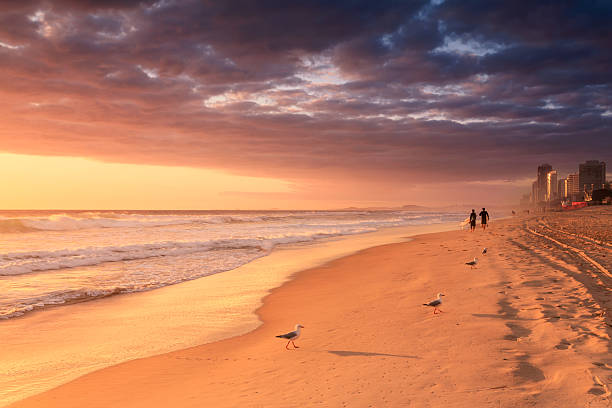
<point>484,218</point>
<point>472,220</point>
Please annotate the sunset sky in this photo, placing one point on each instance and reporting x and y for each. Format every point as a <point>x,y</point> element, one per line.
<point>283,104</point>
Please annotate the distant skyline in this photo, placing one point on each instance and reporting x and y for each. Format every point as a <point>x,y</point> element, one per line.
<point>319,104</point>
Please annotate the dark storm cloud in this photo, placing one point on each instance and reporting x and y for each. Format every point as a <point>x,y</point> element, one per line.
<point>454,90</point>
<point>532,22</point>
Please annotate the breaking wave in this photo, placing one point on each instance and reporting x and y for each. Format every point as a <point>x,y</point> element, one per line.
<point>66,222</point>
<point>53,259</point>
<point>17,263</point>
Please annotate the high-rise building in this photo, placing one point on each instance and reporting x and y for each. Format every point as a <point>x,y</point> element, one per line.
<point>534,192</point>
<point>562,189</point>
<point>542,181</point>
<point>592,175</point>
<point>573,185</point>
<point>551,185</point>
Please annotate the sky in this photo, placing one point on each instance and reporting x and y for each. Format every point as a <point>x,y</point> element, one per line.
<point>304,104</point>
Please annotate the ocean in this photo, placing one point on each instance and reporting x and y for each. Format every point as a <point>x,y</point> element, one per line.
<point>55,258</point>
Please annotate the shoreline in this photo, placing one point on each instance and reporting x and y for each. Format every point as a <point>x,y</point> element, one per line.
<point>280,247</point>
<point>116,326</point>
<point>364,351</point>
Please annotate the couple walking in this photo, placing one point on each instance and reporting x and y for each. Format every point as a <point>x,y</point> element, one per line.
<point>483,220</point>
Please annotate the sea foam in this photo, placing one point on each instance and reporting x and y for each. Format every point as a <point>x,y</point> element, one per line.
<point>49,259</point>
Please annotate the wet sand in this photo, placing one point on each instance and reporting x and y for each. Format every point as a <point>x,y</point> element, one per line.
<point>530,326</point>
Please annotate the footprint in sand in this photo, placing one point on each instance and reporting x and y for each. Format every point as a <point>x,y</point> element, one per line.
<point>599,387</point>
<point>527,372</point>
<point>518,331</point>
<point>563,345</point>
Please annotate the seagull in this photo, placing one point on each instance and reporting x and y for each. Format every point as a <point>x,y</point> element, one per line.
<point>435,303</point>
<point>472,263</point>
<point>484,251</point>
<point>291,336</point>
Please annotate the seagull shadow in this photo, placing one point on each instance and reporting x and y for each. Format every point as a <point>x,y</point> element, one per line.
<point>346,353</point>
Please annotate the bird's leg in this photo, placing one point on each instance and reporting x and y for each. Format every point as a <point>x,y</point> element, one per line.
<point>294,344</point>
<point>287,345</point>
<point>435,308</point>
<point>440,311</point>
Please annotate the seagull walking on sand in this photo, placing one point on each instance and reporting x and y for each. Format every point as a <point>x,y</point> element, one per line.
<point>484,250</point>
<point>292,336</point>
<point>472,263</point>
<point>435,303</point>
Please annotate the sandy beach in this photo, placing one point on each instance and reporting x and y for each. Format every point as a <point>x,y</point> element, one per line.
<point>47,348</point>
<point>530,326</point>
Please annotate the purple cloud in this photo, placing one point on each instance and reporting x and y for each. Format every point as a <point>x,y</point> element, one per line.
<point>455,91</point>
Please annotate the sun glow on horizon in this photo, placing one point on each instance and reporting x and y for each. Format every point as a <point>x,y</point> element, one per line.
<point>60,182</point>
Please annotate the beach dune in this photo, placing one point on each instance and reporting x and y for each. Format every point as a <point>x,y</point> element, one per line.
<point>529,327</point>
